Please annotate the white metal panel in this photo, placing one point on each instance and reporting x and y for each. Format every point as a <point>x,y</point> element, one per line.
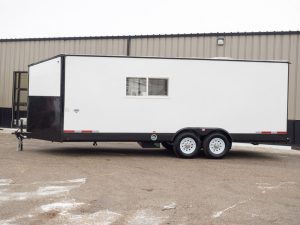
<point>44,78</point>
<point>241,97</point>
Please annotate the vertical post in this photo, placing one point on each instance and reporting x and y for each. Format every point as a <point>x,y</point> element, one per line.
<point>20,138</point>
<point>13,100</point>
<point>128,46</point>
<point>18,98</point>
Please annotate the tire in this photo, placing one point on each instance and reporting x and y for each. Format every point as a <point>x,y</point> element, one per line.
<point>187,145</point>
<point>167,145</point>
<point>216,146</point>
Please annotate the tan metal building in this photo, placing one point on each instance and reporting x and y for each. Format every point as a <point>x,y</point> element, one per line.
<point>17,54</point>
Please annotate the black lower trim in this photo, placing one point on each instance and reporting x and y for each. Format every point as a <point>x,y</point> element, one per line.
<point>135,137</point>
<point>260,138</point>
<point>144,137</point>
<point>294,131</point>
<point>5,117</point>
<point>43,121</point>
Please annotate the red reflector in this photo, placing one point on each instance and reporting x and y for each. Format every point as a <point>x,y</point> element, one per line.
<point>266,132</point>
<point>281,132</point>
<point>86,131</point>
<point>69,131</point>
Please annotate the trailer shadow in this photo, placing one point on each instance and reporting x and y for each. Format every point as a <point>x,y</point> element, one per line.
<point>132,152</point>
<point>249,154</point>
<point>114,152</point>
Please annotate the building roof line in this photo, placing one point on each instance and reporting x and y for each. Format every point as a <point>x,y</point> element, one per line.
<point>153,36</point>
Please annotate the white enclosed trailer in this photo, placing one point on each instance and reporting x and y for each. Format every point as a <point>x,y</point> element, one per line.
<point>187,104</point>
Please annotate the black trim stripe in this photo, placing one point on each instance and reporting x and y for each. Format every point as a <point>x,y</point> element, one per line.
<point>62,95</point>
<point>136,137</point>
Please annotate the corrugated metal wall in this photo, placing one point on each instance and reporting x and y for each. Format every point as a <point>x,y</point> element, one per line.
<point>16,55</point>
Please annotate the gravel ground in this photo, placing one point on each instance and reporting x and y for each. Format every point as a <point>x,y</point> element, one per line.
<point>119,183</point>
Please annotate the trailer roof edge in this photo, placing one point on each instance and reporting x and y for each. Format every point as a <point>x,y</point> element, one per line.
<point>155,57</point>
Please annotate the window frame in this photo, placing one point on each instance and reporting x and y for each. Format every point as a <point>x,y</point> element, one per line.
<point>147,87</point>
<point>148,78</point>
<point>137,77</point>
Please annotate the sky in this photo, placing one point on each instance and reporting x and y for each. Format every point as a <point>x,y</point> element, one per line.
<point>64,18</point>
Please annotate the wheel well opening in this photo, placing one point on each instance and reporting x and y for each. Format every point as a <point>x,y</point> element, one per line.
<point>186,131</point>
<point>226,134</point>
<point>202,136</point>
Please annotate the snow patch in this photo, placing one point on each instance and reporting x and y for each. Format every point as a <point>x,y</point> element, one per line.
<point>8,222</point>
<point>102,217</point>
<point>63,207</point>
<point>267,187</point>
<point>170,206</point>
<point>145,217</point>
<point>43,191</point>
<point>53,190</point>
<point>5,182</point>
<point>220,213</point>
<point>78,181</point>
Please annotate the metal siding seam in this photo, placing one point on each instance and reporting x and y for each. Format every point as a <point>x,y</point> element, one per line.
<point>30,53</point>
<point>243,47</point>
<point>203,47</point>
<point>274,46</point>
<point>106,43</point>
<point>238,49</point>
<point>223,48</point>
<point>96,46</point>
<point>234,47</point>
<point>175,50</point>
<point>292,77</point>
<point>168,47</point>
<point>157,44</point>
<point>163,47</point>
<point>137,47</point>
<point>133,47</point>
<point>259,48</point>
<point>246,47</point>
<point>229,48</point>
<point>109,46</point>
<point>116,47</point>
<point>121,47</point>
<point>141,47</point>
<point>180,47</point>
<point>124,46</point>
<point>252,47</point>
<point>2,73</point>
<point>144,47</point>
<point>39,50</point>
<point>9,83</point>
<point>197,47</point>
<point>6,74</point>
<point>217,47</point>
<point>296,100</point>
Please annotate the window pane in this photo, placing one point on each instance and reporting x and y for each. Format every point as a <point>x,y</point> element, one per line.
<point>136,86</point>
<point>158,86</point>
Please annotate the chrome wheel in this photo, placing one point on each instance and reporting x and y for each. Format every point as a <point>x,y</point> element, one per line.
<point>188,145</point>
<point>217,145</point>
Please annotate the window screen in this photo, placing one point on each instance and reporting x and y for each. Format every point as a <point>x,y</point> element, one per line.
<point>158,86</point>
<point>136,86</point>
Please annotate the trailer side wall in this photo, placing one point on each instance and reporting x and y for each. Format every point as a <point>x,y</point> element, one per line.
<point>238,96</point>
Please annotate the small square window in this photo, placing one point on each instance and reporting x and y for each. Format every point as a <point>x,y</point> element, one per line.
<point>158,87</point>
<point>136,86</point>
